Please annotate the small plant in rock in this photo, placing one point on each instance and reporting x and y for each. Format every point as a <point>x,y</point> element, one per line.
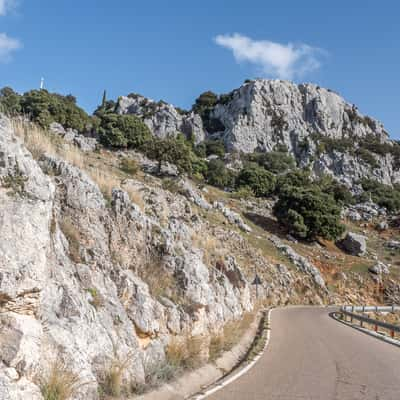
<point>15,181</point>
<point>111,382</point>
<point>73,236</point>
<point>60,383</point>
<point>129,166</point>
<point>97,300</point>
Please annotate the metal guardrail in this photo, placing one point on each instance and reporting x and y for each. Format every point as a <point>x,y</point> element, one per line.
<point>363,319</point>
<point>392,308</point>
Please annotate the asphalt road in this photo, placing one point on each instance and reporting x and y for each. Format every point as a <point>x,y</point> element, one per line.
<point>311,356</point>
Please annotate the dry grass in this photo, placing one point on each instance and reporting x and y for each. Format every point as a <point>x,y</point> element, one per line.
<point>111,383</point>
<point>230,336</point>
<point>136,197</point>
<point>73,236</point>
<point>61,383</point>
<point>212,249</point>
<point>129,166</point>
<point>186,352</point>
<point>39,142</point>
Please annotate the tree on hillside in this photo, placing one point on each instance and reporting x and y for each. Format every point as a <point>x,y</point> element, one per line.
<point>126,131</point>
<point>308,213</point>
<point>10,101</point>
<point>220,176</point>
<point>260,181</point>
<point>44,108</point>
<point>170,150</point>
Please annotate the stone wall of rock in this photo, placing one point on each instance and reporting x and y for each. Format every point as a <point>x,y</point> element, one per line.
<point>163,119</point>
<point>88,279</point>
<point>265,113</point>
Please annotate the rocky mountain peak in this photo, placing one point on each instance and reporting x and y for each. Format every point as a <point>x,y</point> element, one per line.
<point>264,113</point>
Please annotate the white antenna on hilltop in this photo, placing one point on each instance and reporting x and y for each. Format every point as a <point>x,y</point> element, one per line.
<point>42,84</point>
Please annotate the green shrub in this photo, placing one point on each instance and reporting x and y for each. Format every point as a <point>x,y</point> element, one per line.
<point>204,106</point>
<point>367,157</point>
<point>123,131</point>
<point>308,213</point>
<point>173,150</point>
<point>10,101</point>
<point>44,108</point>
<point>296,178</point>
<point>243,192</point>
<point>338,191</point>
<point>383,195</point>
<point>274,161</point>
<point>260,181</point>
<point>220,176</point>
<point>129,166</point>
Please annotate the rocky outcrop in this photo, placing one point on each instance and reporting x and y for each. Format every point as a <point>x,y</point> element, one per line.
<point>233,217</point>
<point>354,244</point>
<point>299,261</point>
<point>85,143</point>
<point>88,280</point>
<point>263,114</point>
<point>163,119</point>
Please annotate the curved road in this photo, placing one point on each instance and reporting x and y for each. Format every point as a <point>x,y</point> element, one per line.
<point>313,357</point>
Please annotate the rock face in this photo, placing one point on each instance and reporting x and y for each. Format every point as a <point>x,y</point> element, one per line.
<point>263,114</point>
<point>72,136</point>
<point>89,281</point>
<point>301,262</point>
<point>354,244</point>
<point>163,119</point>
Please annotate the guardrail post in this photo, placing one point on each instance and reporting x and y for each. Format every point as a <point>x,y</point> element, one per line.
<point>392,308</point>
<point>392,334</point>
<point>376,328</point>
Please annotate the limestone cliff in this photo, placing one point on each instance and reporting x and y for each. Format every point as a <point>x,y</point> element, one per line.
<point>90,278</point>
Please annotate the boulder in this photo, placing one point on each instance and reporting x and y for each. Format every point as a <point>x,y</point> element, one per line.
<point>379,268</point>
<point>354,244</point>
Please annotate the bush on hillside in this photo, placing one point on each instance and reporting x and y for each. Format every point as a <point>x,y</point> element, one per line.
<point>220,176</point>
<point>308,213</point>
<point>260,181</point>
<point>296,178</point>
<point>171,150</point>
<point>274,161</point>
<point>203,106</point>
<point>383,195</point>
<point>123,131</point>
<point>337,190</point>
<point>10,101</point>
<point>210,147</point>
<point>44,108</point>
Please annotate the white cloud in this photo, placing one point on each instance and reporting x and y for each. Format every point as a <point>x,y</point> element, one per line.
<point>285,61</point>
<point>7,46</point>
<point>6,6</point>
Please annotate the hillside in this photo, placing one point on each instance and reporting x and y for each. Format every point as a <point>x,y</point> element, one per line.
<point>129,246</point>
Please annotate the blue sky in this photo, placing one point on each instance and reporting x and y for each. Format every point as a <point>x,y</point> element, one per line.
<point>174,50</point>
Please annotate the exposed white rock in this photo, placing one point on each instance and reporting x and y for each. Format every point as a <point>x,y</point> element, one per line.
<point>163,119</point>
<point>301,262</point>
<point>354,244</point>
<point>75,272</point>
<point>85,143</point>
<point>265,113</point>
<point>233,217</point>
<point>379,269</point>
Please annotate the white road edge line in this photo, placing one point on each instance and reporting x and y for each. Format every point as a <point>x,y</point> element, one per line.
<point>243,371</point>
